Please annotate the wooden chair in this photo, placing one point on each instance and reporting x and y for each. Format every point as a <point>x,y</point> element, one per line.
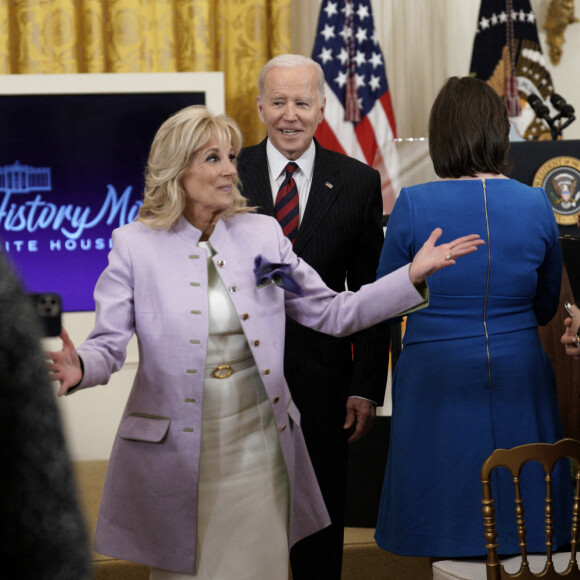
<point>548,566</point>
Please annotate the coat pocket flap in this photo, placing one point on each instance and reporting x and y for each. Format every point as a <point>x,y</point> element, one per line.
<point>144,428</point>
<point>293,412</point>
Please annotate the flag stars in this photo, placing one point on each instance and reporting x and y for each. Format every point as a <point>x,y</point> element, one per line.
<point>360,58</point>
<point>375,83</point>
<point>343,56</point>
<point>346,33</point>
<point>340,80</point>
<point>362,12</point>
<point>361,34</point>
<point>326,55</point>
<point>502,18</point>
<point>328,32</point>
<point>331,9</point>
<point>375,38</point>
<point>360,81</point>
<point>348,10</point>
<point>376,60</point>
<point>521,16</point>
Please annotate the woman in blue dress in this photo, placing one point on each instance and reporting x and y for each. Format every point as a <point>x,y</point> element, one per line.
<point>473,375</point>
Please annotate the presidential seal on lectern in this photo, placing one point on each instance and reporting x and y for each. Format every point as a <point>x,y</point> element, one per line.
<point>560,177</point>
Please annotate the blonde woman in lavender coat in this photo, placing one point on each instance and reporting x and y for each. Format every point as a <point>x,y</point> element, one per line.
<point>209,477</point>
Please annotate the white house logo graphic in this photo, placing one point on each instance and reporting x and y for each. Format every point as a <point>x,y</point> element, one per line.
<point>30,223</point>
<point>24,179</point>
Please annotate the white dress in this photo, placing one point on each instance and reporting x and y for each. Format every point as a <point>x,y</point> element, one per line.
<point>242,529</point>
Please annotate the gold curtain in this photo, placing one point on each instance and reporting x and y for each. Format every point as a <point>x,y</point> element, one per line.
<point>94,36</point>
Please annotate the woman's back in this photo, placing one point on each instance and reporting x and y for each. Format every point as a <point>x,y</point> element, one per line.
<point>512,282</point>
<point>472,362</point>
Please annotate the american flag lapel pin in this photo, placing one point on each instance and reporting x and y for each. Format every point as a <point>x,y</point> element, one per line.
<point>329,185</point>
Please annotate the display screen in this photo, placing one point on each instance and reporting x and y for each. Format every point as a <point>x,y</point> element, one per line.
<point>71,171</point>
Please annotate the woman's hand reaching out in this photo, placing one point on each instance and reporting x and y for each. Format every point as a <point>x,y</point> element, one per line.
<point>431,258</point>
<point>64,365</point>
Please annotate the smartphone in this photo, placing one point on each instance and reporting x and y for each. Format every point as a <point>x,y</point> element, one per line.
<point>48,308</point>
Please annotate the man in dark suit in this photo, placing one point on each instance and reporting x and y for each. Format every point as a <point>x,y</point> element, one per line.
<point>336,382</point>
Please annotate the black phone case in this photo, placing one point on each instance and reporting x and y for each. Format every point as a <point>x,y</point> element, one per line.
<point>49,311</point>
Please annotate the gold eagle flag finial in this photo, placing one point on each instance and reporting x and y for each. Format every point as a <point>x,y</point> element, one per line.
<point>560,14</point>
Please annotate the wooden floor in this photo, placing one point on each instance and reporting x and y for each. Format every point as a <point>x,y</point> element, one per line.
<point>363,559</point>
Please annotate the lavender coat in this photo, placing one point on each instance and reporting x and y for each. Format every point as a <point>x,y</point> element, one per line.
<point>156,286</point>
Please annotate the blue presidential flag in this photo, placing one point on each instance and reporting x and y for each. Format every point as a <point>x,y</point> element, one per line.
<point>508,56</point>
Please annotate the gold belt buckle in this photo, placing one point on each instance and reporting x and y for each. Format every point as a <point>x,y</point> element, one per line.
<point>222,372</point>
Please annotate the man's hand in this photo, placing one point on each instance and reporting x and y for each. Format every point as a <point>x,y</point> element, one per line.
<point>361,413</point>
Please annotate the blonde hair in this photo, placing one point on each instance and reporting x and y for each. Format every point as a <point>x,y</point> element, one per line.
<point>177,141</point>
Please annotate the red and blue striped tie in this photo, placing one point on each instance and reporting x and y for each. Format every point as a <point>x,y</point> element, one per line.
<point>286,206</point>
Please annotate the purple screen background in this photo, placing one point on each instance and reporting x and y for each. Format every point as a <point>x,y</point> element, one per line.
<point>94,148</point>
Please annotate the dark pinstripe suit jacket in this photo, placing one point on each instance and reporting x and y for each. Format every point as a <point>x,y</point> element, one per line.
<point>341,236</point>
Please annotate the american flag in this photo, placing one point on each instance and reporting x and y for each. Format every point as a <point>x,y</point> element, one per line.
<point>359,119</point>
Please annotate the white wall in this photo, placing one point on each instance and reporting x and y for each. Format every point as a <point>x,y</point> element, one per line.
<point>424,42</point>
<point>91,416</point>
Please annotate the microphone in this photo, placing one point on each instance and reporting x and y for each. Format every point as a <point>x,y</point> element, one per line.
<point>560,104</point>
<point>539,108</point>
<point>557,123</point>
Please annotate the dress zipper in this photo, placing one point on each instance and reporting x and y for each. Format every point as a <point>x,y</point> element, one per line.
<point>487,284</point>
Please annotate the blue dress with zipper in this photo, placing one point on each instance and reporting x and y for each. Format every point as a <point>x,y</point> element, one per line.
<point>473,375</point>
